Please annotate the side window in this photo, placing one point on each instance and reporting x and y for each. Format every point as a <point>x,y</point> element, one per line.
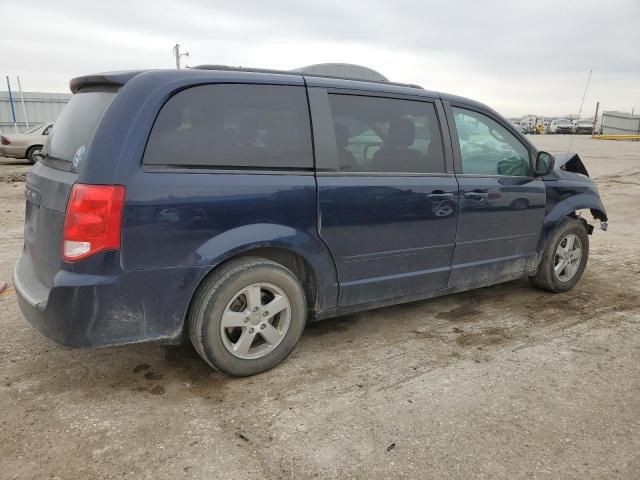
<point>46,130</point>
<point>487,148</point>
<point>233,126</point>
<point>386,135</point>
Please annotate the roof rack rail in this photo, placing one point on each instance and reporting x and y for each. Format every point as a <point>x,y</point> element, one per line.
<point>294,72</point>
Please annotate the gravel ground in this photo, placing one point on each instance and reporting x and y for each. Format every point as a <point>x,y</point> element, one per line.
<point>504,382</point>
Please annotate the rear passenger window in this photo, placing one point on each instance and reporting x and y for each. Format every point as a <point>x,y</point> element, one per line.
<point>386,135</point>
<point>233,126</point>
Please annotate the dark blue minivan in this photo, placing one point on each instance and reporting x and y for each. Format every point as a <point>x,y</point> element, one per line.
<point>232,205</point>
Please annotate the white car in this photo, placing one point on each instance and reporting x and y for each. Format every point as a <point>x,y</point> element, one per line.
<point>26,144</point>
<point>560,125</point>
<point>583,126</point>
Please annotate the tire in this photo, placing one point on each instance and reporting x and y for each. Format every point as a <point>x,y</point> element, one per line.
<point>229,291</point>
<point>32,153</point>
<point>546,277</point>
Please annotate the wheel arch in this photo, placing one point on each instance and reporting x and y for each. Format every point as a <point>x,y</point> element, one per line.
<point>306,256</point>
<point>566,209</point>
<point>288,258</point>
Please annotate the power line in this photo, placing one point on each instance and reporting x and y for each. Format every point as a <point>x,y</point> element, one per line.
<point>580,111</point>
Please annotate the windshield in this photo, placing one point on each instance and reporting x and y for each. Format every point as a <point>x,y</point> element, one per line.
<point>74,129</point>
<point>563,122</point>
<point>33,129</point>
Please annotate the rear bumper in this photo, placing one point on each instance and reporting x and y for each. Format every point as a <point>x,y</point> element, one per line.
<point>84,310</point>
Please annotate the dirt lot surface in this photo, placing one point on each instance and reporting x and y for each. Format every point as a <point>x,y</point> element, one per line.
<point>505,382</point>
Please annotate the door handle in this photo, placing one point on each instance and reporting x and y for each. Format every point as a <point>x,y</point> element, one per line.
<point>440,196</point>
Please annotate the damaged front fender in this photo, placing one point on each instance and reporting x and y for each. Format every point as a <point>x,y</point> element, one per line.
<point>569,162</point>
<point>570,179</point>
<point>569,189</point>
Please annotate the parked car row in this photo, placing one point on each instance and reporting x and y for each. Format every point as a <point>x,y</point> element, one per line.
<point>556,126</point>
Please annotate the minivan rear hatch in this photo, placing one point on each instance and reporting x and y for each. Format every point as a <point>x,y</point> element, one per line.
<point>49,182</point>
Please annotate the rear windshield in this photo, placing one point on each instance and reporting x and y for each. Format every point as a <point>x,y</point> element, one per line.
<point>33,129</point>
<point>68,141</point>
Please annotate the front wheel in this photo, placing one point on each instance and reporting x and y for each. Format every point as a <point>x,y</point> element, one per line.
<point>564,258</point>
<point>247,316</point>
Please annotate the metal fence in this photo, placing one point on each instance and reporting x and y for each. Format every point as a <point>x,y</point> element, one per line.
<point>40,108</point>
<point>620,123</point>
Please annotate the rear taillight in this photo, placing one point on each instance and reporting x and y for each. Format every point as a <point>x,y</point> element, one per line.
<point>5,141</point>
<point>92,222</point>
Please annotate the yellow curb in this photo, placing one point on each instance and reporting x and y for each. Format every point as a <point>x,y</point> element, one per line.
<point>616,137</point>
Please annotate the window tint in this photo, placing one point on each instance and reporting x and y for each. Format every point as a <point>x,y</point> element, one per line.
<point>487,148</point>
<point>386,135</point>
<point>233,126</point>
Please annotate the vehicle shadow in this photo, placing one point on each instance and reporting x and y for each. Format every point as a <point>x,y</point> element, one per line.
<point>403,341</point>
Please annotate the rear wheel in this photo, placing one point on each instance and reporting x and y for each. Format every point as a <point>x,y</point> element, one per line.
<point>248,316</point>
<point>564,258</point>
<point>33,154</point>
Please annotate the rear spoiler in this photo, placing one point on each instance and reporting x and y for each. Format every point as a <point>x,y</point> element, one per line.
<point>103,81</point>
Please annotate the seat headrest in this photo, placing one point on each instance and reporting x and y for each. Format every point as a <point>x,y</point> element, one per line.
<point>342,135</point>
<point>402,133</point>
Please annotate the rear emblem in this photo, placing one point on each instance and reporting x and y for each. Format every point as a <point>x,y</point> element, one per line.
<point>77,158</point>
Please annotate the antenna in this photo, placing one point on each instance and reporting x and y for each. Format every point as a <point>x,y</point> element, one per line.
<point>580,110</point>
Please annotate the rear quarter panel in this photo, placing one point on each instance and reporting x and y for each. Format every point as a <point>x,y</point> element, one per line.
<point>198,220</point>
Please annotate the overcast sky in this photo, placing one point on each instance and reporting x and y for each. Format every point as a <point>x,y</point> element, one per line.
<point>517,56</point>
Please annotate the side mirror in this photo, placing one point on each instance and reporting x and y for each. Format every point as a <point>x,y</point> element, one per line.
<point>544,164</point>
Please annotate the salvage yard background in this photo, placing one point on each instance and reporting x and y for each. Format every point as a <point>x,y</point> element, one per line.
<point>505,382</point>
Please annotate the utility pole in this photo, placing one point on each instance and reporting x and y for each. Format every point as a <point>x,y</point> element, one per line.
<point>13,112</point>
<point>177,54</point>
<point>24,109</point>
<point>595,119</point>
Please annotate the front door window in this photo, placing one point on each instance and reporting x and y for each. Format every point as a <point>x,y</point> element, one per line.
<point>488,148</point>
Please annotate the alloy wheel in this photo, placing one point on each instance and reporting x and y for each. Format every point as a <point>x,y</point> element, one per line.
<point>567,258</point>
<point>255,321</point>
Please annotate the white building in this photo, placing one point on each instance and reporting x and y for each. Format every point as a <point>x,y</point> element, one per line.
<point>40,108</point>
